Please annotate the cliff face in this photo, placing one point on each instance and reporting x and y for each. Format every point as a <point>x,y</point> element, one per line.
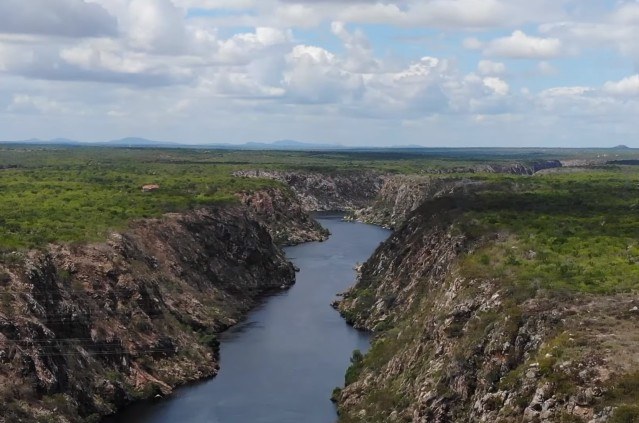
<point>453,347</point>
<point>520,168</point>
<point>383,199</point>
<point>85,329</point>
<point>326,191</point>
<point>284,216</point>
<point>400,195</point>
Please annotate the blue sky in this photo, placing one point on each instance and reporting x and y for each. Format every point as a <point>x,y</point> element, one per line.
<point>355,72</point>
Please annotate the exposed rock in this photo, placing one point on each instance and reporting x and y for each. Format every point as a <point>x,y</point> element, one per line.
<point>284,216</point>
<point>326,191</point>
<point>86,329</point>
<point>400,195</point>
<point>453,348</point>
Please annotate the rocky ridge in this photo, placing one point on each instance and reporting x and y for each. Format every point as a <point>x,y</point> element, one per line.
<point>86,329</point>
<point>326,191</point>
<point>400,195</point>
<point>379,198</point>
<point>274,208</point>
<point>452,347</point>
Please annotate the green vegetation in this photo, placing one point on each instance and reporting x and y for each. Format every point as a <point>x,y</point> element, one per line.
<point>354,369</point>
<point>79,194</point>
<point>560,232</point>
<point>72,194</point>
<point>624,395</point>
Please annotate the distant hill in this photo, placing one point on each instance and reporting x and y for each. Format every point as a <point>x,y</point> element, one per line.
<point>286,145</point>
<point>136,142</point>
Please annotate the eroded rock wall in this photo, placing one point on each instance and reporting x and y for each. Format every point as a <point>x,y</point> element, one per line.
<point>328,191</point>
<point>453,347</point>
<point>86,329</point>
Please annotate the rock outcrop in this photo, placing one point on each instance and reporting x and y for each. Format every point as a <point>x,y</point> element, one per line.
<point>451,346</point>
<point>327,191</point>
<point>284,216</point>
<point>86,329</point>
<point>400,195</point>
<point>383,199</point>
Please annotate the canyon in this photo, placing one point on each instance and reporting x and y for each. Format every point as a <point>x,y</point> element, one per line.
<point>86,329</point>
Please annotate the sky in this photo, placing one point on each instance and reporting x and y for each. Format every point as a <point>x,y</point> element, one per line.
<point>439,73</point>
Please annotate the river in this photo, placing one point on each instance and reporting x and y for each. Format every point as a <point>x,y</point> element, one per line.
<point>281,364</point>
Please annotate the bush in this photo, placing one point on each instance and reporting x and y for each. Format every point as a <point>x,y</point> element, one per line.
<point>626,414</point>
<point>357,363</point>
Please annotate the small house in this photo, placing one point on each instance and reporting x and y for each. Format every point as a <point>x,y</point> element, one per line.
<point>149,188</point>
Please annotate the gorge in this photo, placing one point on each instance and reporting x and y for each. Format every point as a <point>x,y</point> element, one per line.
<point>103,325</point>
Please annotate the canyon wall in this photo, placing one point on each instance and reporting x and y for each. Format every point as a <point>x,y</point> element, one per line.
<point>87,329</point>
<point>453,346</point>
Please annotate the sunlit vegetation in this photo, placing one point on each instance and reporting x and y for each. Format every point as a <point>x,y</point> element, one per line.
<point>571,232</point>
<point>80,193</point>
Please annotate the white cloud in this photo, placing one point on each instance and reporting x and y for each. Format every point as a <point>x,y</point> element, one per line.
<point>618,29</point>
<point>626,14</point>
<point>497,85</point>
<point>546,68</point>
<point>25,103</point>
<point>106,55</point>
<point>269,79</point>
<point>522,46</point>
<point>626,87</point>
<point>244,47</point>
<point>472,43</point>
<point>314,75</point>
<point>156,25</point>
<point>488,67</point>
<point>68,18</point>
<point>360,57</point>
<point>448,14</point>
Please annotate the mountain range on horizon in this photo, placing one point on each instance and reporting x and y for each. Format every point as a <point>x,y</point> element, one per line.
<point>284,145</point>
<point>138,142</point>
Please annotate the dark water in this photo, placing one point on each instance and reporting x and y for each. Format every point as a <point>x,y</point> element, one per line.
<point>282,363</point>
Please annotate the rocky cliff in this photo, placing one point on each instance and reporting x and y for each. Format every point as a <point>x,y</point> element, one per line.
<point>505,167</point>
<point>454,346</point>
<point>283,215</point>
<point>326,191</point>
<point>86,329</point>
<point>383,199</point>
<point>399,195</point>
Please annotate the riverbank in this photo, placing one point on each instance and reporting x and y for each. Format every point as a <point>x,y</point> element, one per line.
<point>280,364</point>
<point>103,325</point>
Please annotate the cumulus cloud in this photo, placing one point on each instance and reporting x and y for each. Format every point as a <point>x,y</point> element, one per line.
<point>67,18</point>
<point>626,87</point>
<point>522,46</point>
<point>224,63</point>
<point>488,67</point>
<point>618,28</point>
<point>314,76</point>
<point>155,25</point>
<point>497,85</point>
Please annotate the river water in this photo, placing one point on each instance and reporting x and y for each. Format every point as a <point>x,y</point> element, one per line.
<point>281,364</point>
